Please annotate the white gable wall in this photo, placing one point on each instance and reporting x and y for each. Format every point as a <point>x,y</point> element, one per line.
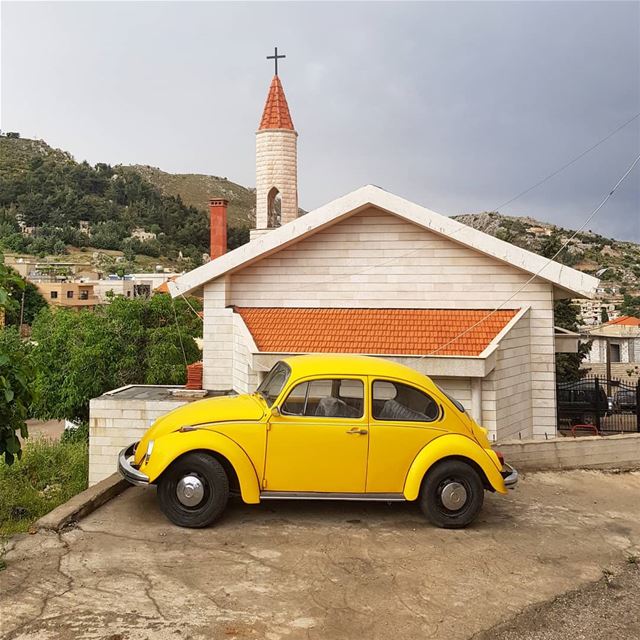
<point>375,259</point>
<point>508,389</point>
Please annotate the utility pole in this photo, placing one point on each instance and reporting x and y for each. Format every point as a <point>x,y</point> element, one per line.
<point>22,311</point>
<point>608,363</point>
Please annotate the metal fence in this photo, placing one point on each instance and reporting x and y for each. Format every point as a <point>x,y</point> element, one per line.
<point>608,405</point>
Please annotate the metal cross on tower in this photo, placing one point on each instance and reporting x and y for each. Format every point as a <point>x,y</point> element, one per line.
<point>275,58</point>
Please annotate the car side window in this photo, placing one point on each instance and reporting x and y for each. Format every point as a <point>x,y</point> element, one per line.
<point>399,402</point>
<point>332,398</point>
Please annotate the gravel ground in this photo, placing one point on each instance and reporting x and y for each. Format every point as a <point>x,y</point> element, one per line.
<point>608,609</point>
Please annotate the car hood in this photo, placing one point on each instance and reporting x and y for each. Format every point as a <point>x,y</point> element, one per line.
<point>246,407</point>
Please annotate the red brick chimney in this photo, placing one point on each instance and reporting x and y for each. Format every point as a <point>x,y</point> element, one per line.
<point>218,219</point>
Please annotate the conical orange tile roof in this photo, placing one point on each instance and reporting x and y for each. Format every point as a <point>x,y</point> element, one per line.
<point>276,110</point>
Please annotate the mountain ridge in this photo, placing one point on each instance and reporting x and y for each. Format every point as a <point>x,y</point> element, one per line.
<point>188,193</point>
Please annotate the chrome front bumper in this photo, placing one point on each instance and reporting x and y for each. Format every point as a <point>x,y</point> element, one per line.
<point>510,476</point>
<point>127,470</point>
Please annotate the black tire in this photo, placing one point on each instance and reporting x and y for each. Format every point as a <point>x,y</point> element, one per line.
<point>441,478</point>
<point>214,484</point>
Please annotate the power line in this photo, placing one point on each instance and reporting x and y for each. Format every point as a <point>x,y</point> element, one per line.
<point>544,266</point>
<point>568,164</point>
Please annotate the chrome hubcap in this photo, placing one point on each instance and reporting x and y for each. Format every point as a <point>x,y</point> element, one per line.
<point>190,491</point>
<point>453,496</point>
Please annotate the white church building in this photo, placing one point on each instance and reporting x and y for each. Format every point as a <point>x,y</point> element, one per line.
<point>368,273</point>
<point>375,274</point>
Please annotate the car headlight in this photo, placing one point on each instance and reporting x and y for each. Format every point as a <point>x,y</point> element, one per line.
<point>147,455</point>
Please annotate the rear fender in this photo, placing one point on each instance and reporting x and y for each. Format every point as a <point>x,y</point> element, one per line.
<point>169,447</point>
<point>451,446</point>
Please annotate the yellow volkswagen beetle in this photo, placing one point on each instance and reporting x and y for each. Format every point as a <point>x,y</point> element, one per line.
<point>321,427</point>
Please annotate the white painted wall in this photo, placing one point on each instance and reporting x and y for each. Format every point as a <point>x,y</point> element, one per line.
<point>508,393</point>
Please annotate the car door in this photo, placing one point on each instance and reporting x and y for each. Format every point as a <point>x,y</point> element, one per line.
<point>403,420</point>
<point>317,441</point>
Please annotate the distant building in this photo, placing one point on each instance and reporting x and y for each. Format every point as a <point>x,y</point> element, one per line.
<point>142,235</point>
<point>154,279</point>
<point>608,290</point>
<point>38,270</point>
<point>127,287</point>
<point>78,295</point>
<point>622,338</point>
<point>591,310</point>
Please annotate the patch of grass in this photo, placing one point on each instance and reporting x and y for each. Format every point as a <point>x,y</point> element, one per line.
<point>49,474</point>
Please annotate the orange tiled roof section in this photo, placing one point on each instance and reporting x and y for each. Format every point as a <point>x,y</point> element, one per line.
<point>373,331</point>
<point>276,110</point>
<point>629,321</point>
<point>164,287</point>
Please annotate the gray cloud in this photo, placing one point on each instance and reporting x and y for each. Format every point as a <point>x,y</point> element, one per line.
<point>457,106</point>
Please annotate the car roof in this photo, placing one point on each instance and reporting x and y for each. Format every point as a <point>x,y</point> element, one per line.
<point>356,365</point>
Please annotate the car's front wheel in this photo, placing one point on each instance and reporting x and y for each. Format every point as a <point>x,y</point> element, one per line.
<point>194,490</point>
<point>452,494</point>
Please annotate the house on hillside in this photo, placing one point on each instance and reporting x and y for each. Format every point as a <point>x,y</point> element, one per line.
<point>368,273</point>
<point>618,342</point>
<point>73,295</point>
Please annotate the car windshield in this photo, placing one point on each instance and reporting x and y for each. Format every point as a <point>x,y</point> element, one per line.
<point>273,384</point>
<point>456,403</point>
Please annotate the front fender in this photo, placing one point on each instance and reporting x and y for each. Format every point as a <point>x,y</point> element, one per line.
<point>447,446</point>
<point>171,446</point>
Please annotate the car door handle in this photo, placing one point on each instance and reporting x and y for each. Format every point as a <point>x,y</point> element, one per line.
<point>357,432</point>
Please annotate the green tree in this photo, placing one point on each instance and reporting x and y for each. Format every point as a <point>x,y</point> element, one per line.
<point>604,315</point>
<point>630,305</point>
<point>80,355</point>
<point>236,237</point>
<point>10,282</point>
<point>568,364</point>
<point>16,393</point>
<point>24,300</point>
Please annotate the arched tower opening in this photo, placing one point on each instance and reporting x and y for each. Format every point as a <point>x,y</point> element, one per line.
<point>274,208</point>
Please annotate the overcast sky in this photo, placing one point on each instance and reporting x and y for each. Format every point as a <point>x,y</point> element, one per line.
<point>456,106</point>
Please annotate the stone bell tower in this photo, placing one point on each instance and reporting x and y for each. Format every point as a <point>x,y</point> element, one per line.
<point>276,161</point>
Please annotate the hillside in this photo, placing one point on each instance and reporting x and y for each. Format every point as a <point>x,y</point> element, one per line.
<point>196,190</point>
<point>51,204</point>
<point>588,252</point>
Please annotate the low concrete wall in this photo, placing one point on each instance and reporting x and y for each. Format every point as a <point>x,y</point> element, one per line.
<point>606,452</point>
<point>119,418</point>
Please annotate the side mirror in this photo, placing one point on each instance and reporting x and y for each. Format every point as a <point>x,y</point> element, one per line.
<point>275,412</point>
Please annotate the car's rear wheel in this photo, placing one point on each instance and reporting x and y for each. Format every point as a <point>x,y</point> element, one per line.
<point>452,494</point>
<point>194,490</point>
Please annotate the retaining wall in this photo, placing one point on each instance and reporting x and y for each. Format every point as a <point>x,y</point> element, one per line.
<point>586,452</point>
<point>119,418</point>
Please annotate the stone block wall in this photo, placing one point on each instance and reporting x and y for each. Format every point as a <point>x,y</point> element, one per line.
<point>117,420</point>
<point>587,452</point>
<point>276,166</point>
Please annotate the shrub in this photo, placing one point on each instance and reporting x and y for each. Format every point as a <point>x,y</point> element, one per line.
<point>48,474</point>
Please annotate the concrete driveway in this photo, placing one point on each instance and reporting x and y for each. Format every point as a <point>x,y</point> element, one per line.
<point>318,570</point>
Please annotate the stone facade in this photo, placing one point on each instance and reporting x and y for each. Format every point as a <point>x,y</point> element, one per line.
<point>276,174</point>
<point>121,417</point>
